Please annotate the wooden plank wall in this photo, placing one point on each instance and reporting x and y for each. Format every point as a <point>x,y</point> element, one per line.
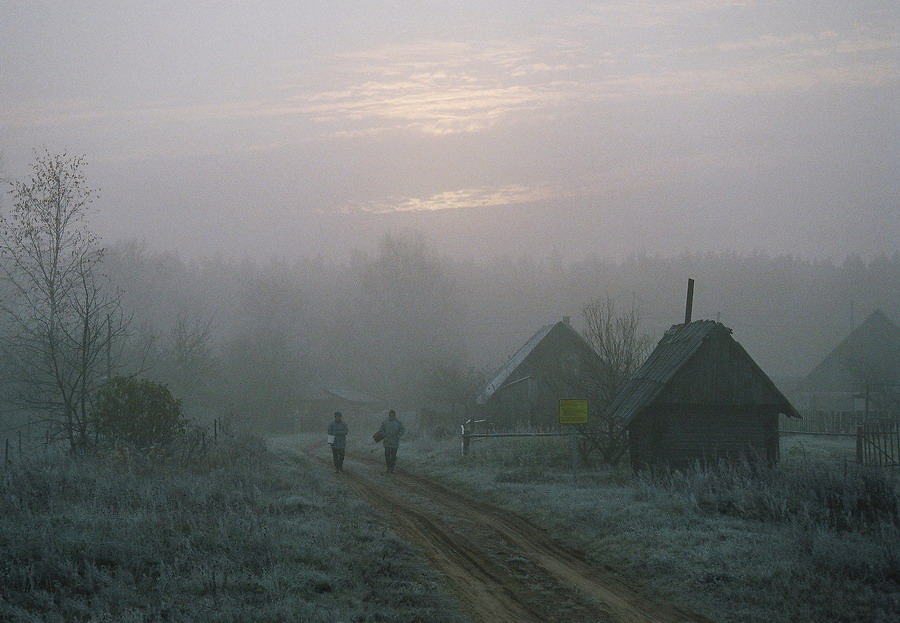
<point>832,422</point>
<point>679,437</point>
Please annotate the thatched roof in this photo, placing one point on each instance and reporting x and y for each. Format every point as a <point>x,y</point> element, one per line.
<point>673,353</point>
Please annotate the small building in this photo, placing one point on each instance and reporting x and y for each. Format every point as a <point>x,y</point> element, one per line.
<point>699,397</point>
<point>526,391</point>
<point>322,403</point>
<point>861,375</point>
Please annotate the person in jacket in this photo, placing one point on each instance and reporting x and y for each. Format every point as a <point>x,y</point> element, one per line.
<point>338,431</point>
<point>392,429</point>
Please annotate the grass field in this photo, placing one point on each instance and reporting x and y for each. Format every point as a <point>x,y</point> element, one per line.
<point>816,539</point>
<point>257,536</point>
<point>249,537</point>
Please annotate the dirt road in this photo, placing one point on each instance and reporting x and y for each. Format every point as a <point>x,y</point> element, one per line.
<point>502,567</point>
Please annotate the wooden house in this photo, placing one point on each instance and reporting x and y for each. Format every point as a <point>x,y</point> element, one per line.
<point>526,391</point>
<point>861,375</point>
<point>699,397</point>
<point>322,403</point>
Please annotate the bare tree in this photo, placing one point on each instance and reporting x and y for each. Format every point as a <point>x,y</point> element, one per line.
<point>64,325</point>
<point>621,348</point>
<point>188,362</point>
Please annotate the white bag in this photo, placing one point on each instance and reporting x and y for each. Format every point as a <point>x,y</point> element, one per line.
<point>330,439</point>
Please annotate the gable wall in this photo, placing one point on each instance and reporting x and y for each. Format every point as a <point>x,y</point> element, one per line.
<point>535,402</point>
<point>678,437</point>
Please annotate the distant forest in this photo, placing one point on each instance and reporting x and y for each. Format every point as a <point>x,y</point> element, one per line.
<point>402,323</point>
<point>411,327</point>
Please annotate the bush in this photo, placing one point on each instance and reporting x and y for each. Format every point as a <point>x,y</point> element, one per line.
<point>141,413</point>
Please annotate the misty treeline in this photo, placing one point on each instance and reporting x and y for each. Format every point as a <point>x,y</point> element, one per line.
<point>414,329</point>
<point>255,340</point>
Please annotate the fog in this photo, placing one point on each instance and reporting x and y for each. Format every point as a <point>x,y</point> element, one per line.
<point>384,196</point>
<point>502,128</point>
<point>414,328</point>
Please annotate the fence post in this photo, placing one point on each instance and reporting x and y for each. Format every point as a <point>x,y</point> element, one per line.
<point>890,457</point>
<point>574,444</point>
<point>895,443</point>
<point>859,445</point>
<point>465,440</point>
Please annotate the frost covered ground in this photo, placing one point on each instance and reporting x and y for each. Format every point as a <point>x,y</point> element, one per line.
<point>247,536</point>
<point>816,539</point>
<point>272,536</point>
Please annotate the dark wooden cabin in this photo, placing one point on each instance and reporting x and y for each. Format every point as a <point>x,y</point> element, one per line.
<point>526,391</point>
<point>700,397</point>
<point>322,403</point>
<point>860,375</point>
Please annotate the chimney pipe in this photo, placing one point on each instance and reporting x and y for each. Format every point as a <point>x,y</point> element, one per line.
<point>689,305</point>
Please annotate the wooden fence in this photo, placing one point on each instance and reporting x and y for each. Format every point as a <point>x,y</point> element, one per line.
<point>878,443</point>
<point>28,442</point>
<point>827,422</point>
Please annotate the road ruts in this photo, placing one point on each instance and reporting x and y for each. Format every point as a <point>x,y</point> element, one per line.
<point>504,569</point>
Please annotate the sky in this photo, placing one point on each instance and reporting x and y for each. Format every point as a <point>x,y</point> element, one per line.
<point>530,128</point>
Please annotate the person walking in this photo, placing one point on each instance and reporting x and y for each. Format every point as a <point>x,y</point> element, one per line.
<point>337,437</point>
<point>393,430</point>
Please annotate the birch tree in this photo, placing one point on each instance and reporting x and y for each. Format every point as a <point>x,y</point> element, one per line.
<point>64,321</point>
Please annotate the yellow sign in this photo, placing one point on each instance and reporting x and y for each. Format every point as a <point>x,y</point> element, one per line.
<point>573,411</point>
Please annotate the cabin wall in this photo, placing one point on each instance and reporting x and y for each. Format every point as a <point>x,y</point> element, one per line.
<point>530,403</point>
<point>555,370</point>
<point>678,437</point>
<point>509,406</point>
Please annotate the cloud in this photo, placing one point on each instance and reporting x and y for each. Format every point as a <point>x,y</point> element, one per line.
<point>643,14</point>
<point>436,88</point>
<point>770,41</point>
<point>440,88</point>
<point>436,107</point>
<point>464,198</point>
<point>157,113</point>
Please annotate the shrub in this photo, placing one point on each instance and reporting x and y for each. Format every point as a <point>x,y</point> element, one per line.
<point>139,412</point>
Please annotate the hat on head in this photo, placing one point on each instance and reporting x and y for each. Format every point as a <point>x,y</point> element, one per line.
<point>337,414</point>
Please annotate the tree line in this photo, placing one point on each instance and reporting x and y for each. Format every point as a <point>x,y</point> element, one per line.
<point>255,339</point>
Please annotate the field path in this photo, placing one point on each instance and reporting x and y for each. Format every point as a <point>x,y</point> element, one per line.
<point>499,565</point>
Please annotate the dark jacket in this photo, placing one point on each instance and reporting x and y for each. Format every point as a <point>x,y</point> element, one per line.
<point>339,430</point>
<point>393,430</point>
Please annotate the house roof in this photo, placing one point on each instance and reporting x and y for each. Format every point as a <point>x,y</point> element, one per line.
<point>877,338</point>
<point>676,348</point>
<point>503,375</point>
